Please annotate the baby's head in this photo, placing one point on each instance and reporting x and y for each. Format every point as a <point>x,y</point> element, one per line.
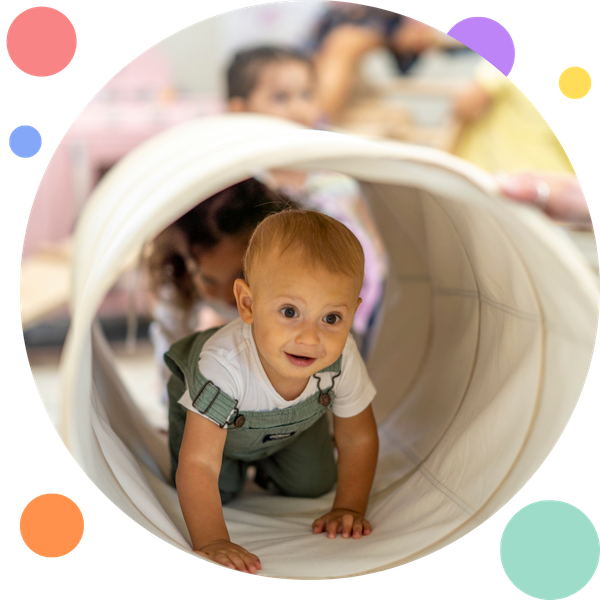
<point>275,81</point>
<point>321,241</point>
<point>303,275</point>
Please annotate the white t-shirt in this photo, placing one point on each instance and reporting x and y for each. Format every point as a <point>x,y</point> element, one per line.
<point>230,360</point>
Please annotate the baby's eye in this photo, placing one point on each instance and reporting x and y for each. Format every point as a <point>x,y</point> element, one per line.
<point>289,312</point>
<point>332,319</point>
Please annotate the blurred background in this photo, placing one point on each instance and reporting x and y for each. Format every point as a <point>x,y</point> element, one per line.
<point>378,74</point>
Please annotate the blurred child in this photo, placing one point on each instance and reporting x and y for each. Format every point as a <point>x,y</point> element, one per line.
<point>257,391</point>
<point>273,80</point>
<point>281,82</point>
<point>191,265</point>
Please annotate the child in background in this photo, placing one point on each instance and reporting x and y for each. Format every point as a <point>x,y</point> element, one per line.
<point>257,391</point>
<point>281,82</point>
<point>190,266</point>
<point>273,80</point>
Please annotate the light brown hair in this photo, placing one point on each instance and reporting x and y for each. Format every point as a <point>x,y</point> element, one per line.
<point>322,240</point>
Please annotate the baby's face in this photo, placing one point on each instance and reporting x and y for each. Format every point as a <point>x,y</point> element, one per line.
<point>301,315</point>
<point>285,89</point>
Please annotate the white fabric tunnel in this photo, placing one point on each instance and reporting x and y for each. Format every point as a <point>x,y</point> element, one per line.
<point>482,347</point>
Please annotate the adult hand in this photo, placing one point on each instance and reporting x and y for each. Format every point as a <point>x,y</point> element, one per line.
<point>557,194</point>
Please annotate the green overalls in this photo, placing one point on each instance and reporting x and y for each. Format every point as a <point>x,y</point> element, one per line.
<point>291,447</point>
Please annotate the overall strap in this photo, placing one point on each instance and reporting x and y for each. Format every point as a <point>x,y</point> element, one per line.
<point>207,398</point>
<point>182,360</point>
<point>211,401</point>
<point>325,395</point>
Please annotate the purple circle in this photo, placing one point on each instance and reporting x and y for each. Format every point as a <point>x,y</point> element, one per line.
<point>489,39</point>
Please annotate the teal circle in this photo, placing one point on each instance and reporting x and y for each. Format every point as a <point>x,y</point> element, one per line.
<point>550,550</point>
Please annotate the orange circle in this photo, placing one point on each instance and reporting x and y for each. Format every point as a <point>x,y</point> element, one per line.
<point>51,525</point>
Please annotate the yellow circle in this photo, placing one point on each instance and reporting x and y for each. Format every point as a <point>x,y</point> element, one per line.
<point>575,82</point>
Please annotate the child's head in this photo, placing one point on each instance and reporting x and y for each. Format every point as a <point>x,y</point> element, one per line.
<point>321,240</point>
<point>303,275</point>
<point>274,81</point>
<point>200,255</point>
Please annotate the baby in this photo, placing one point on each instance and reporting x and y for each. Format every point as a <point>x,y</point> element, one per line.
<point>257,390</point>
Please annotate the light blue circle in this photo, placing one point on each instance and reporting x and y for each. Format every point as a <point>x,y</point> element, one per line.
<point>25,141</point>
<point>550,550</point>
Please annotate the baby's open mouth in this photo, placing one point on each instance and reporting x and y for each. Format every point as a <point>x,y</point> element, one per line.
<point>300,361</point>
<point>301,357</point>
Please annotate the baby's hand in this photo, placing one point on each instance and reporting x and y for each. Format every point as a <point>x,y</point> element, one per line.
<point>340,520</point>
<point>231,555</point>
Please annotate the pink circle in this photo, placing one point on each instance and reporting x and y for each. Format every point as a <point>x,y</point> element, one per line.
<point>41,41</point>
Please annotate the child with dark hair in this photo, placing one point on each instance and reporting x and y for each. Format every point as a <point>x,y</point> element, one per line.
<point>273,80</point>
<point>190,267</point>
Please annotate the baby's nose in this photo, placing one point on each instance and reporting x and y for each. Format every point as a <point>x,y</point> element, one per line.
<point>308,335</point>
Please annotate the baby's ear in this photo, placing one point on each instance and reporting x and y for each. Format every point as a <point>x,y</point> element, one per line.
<point>243,298</point>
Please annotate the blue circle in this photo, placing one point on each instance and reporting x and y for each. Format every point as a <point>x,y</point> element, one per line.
<point>25,141</point>
<point>550,550</point>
